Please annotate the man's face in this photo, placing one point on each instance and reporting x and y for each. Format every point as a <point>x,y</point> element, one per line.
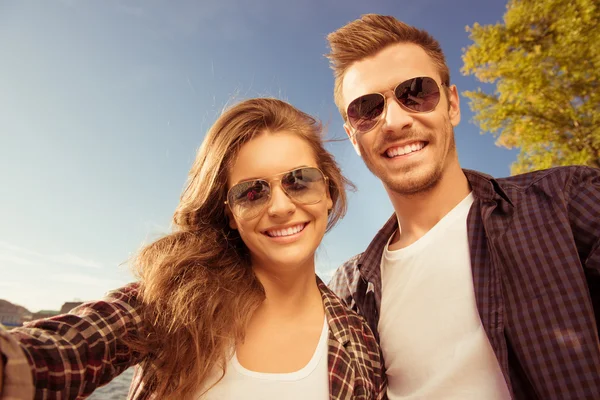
<point>408,151</point>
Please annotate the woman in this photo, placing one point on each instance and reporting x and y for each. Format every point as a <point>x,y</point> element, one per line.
<point>227,306</point>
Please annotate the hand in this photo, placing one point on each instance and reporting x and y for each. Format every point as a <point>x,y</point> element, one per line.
<point>2,361</point>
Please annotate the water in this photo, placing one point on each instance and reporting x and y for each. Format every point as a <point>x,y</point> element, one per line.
<point>117,389</point>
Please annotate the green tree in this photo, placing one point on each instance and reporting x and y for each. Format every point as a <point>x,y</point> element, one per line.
<point>544,61</point>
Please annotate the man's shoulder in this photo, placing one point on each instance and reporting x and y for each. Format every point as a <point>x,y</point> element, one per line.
<point>351,263</point>
<point>345,279</point>
<point>556,176</point>
<point>557,185</point>
<point>549,181</point>
<point>347,273</point>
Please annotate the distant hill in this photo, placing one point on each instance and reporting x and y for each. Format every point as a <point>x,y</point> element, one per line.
<point>16,315</point>
<point>13,314</point>
<point>6,307</point>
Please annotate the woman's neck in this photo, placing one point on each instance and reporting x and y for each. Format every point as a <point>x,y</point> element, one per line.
<point>284,331</point>
<point>290,292</point>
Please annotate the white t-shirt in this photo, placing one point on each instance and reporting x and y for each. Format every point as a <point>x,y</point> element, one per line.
<point>311,382</point>
<point>433,342</point>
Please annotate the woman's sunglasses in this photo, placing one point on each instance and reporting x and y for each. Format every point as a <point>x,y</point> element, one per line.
<point>305,185</point>
<point>419,95</point>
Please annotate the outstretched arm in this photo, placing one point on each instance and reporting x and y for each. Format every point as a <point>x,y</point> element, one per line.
<point>70,355</point>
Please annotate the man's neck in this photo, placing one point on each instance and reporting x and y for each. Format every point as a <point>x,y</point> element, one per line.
<point>418,213</point>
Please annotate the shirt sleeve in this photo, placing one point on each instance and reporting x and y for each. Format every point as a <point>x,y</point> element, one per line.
<point>583,198</point>
<point>70,355</point>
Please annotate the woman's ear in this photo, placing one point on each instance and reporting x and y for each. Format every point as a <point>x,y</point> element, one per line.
<point>230,218</point>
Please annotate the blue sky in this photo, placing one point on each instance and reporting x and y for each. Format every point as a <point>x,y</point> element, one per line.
<point>104,103</point>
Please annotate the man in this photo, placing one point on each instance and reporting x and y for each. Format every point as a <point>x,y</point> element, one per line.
<point>479,288</point>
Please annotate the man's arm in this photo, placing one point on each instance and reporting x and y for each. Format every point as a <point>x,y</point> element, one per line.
<point>584,215</point>
<point>583,196</point>
<point>70,355</point>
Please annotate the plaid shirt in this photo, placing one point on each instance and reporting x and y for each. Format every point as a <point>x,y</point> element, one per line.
<point>68,356</point>
<point>535,256</point>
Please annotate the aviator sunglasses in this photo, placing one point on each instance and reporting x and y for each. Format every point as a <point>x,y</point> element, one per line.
<point>420,95</point>
<point>306,185</point>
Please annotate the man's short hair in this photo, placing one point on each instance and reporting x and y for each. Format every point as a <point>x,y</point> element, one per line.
<point>370,34</point>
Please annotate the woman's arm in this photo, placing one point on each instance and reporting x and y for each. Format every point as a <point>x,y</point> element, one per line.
<point>70,355</point>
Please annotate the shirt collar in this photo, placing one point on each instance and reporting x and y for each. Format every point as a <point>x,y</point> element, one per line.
<point>485,187</point>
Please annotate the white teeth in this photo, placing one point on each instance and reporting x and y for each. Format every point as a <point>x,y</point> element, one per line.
<point>407,149</point>
<point>286,231</point>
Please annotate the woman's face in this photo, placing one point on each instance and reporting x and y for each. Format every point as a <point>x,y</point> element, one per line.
<point>285,233</point>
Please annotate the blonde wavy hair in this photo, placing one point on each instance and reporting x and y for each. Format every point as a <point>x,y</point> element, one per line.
<point>197,287</point>
<point>367,36</point>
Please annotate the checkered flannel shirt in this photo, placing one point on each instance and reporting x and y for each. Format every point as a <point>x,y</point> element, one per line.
<point>535,256</point>
<point>68,356</point>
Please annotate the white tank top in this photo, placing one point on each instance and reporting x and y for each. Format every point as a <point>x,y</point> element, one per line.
<point>310,382</point>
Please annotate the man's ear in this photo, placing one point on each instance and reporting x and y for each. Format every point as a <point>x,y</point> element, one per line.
<point>453,105</point>
<point>352,138</point>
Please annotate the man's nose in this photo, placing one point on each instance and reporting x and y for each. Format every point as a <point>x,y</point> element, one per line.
<point>396,117</point>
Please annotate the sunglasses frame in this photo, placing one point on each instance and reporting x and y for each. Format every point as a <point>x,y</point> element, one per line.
<point>276,177</point>
<point>381,116</point>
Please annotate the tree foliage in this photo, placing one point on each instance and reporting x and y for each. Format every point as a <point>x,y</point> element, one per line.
<point>544,61</point>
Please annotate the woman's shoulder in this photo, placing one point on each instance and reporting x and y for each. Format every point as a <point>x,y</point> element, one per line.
<point>128,293</point>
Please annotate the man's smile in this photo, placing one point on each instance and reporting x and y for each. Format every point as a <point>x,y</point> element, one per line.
<point>405,149</point>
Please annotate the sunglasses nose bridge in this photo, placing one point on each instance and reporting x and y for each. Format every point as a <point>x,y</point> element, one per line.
<point>395,114</point>
<point>274,182</point>
<point>280,201</point>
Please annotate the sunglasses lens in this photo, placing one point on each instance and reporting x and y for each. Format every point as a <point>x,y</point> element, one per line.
<point>363,112</point>
<point>304,185</point>
<point>418,94</point>
<point>248,198</point>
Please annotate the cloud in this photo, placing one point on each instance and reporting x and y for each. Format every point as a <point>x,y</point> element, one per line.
<point>86,280</point>
<point>21,256</point>
<point>71,259</point>
<point>15,259</point>
<point>12,285</point>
